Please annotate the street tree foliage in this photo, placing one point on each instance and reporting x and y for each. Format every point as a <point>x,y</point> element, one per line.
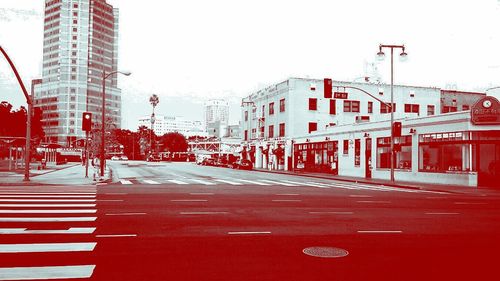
<point>144,135</point>
<point>174,142</point>
<point>130,142</point>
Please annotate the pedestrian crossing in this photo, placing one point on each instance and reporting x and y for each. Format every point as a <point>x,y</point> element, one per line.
<point>28,215</point>
<point>269,183</point>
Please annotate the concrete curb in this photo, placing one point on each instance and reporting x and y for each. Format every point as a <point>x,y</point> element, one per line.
<point>55,170</point>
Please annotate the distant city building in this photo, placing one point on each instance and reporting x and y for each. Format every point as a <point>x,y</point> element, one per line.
<point>170,124</point>
<point>216,116</point>
<point>80,40</point>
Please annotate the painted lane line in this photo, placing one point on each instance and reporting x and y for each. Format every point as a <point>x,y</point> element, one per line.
<point>188,200</point>
<point>50,205</point>
<point>151,182</point>
<point>332,213</point>
<point>248,232</point>
<point>126,214</point>
<point>201,193</point>
<point>115,235</point>
<point>442,213</point>
<point>380,231</point>
<point>72,230</point>
<point>342,186</point>
<point>294,183</point>
<point>49,200</point>
<point>203,213</point>
<point>317,184</point>
<point>361,196</point>
<point>286,200</point>
<point>47,272</point>
<point>47,247</point>
<point>377,202</point>
<point>283,182</point>
<point>177,182</point>
<point>470,203</point>
<point>47,196</point>
<point>254,182</point>
<point>288,194</point>
<point>125,182</point>
<point>203,182</point>
<point>48,211</point>
<point>59,219</point>
<point>229,182</point>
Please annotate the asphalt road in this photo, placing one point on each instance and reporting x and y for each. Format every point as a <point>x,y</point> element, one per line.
<point>179,221</point>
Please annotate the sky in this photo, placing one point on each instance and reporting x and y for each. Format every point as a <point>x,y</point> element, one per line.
<point>189,51</point>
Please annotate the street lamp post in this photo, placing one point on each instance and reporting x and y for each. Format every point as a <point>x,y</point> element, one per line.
<point>104,76</point>
<point>381,56</point>
<point>153,100</point>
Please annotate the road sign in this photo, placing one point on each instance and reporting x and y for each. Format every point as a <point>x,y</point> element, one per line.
<point>340,95</point>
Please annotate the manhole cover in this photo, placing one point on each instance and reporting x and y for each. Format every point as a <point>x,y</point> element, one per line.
<point>325,252</point>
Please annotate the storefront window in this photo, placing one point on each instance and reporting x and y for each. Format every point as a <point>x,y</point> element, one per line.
<point>446,152</point>
<point>402,154</point>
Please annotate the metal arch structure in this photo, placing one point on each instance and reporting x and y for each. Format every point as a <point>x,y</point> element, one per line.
<point>28,117</point>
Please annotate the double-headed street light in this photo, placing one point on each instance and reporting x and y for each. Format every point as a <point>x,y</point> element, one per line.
<point>403,56</point>
<point>153,100</point>
<point>104,76</point>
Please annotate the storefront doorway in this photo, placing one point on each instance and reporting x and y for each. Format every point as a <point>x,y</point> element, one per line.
<point>489,164</point>
<point>368,158</point>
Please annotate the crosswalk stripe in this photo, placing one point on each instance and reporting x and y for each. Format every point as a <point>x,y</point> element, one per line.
<point>55,211</point>
<point>72,230</point>
<point>229,182</point>
<point>54,219</point>
<point>151,182</point>
<point>177,182</point>
<point>48,200</point>
<point>254,182</point>
<point>125,182</point>
<point>47,247</point>
<point>203,182</point>
<point>49,205</point>
<point>46,272</point>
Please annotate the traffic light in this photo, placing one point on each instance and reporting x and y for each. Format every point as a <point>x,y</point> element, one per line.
<point>327,86</point>
<point>396,129</point>
<point>87,121</point>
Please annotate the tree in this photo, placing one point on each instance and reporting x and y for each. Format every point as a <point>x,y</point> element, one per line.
<point>174,142</point>
<point>130,142</point>
<point>144,135</point>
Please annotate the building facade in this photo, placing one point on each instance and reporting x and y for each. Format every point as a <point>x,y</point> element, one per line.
<point>171,124</point>
<point>80,42</point>
<point>216,116</point>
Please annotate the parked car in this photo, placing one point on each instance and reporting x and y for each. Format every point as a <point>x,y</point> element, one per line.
<point>153,158</point>
<point>114,158</point>
<point>123,157</point>
<point>209,162</point>
<point>243,164</point>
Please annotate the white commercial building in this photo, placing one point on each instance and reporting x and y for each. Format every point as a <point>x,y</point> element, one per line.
<point>216,116</point>
<point>169,124</point>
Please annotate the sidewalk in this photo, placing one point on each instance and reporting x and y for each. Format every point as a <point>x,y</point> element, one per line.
<point>398,184</point>
<point>66,174</point>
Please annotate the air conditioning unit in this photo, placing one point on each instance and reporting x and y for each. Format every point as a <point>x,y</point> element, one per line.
<point>362,118</point>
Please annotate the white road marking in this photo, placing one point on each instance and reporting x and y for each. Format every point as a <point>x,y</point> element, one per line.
<point>248,232</point>
<point>203,182</point>
<point>189,200</point>
<point>49,205</point>
<point>48,200</point>
<point>151,182</point>
<point>229,182</point>
<point>201,193</point>
<point>47,196</point>
<point>294,183</point>
<point>254,182</point>
<point>59,219</point>
<point>336,185</point>
<point>283,182</point>
<point>125,182</point>
<point>360,196</point>
<point>377,202</point>
<point>442,213</point>
<point>115,235</point>
<point>380,231</point>
<point>317,184</point>
<point>177,182</point>
<point>332,213</point>
<point>72,230</point>
<point>46,272</point>
<point>47,247</point>
<point>48,211</point>
<point>287,200</point>
<point>204,213</point>
<point>126,214</point>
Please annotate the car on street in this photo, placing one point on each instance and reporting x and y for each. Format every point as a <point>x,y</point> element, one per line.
<point>243,164</point>
<point>209,162</point>
<point>124,157</point>
<point>114,158</point>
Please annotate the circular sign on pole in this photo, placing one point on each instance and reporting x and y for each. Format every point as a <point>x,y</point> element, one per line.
<point>486,111</point>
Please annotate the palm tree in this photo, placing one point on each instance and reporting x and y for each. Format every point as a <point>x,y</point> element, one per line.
<point>153,100</point>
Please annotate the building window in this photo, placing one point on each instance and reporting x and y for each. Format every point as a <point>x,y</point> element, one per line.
<point>75,5</point>
<point>465,107</point>
<point>357,152</point>
<point>430,110</point>
<point>263,110</point>
<point>74,37</point>
<point>282,130</point>
<point>402,152</point>
<point>313,126</point>
<point>346,147</point>
<point>271,108</point>
<point>75,29</point>
<point>271,131</point>
<point>370,107</point>
<point>75,21</point>
<point>73,53</point>
<point>384,108</point>
<point>72,98</point>
<point>351,106</point>
<point>72,106</point>
<point>313,104</point>
<point>282,105</point>
<point>447,109</point>
<point>254,133</point>
<point>75,14</point>
<point>72,122</point>
<point>71,114</point>
<point>246,115</point>
<point>333,107</point>
<point>73,77</point>
<point>412,108</point>
<point>72,90</point>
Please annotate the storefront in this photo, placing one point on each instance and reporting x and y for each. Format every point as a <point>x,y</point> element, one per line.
<point>460,148</point>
